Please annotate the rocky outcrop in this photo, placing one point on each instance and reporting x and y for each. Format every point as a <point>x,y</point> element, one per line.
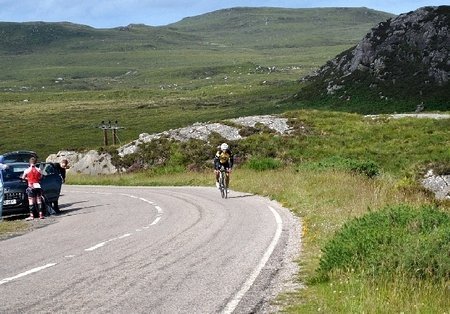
<point>91,162</point>
<point>438,184</point>
<point>96,163</point>
<point>420,38</point>
<point>406,56</point>
<point>202,131</point>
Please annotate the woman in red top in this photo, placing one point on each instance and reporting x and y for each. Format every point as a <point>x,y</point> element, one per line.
<point>34,191</point>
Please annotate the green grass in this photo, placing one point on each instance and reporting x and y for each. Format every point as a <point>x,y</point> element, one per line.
<point>333,168</point>
<point>12,227</point>
<point>71,77</point>
<point>323,140</point>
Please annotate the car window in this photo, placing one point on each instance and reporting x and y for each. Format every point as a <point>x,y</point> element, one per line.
<point>47,169</point>
<point>23,156</point>
<point>13,172</point>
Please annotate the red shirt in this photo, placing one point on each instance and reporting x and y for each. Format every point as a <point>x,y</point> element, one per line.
<point>32,174</point>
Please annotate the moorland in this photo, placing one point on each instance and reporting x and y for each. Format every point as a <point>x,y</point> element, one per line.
<point>346,173</point>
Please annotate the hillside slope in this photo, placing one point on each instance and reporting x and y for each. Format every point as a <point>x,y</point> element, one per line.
<point>237,27</point>
<point>34,55</point>
<point>270,28</point>
<point>243,27</point>
<point>152,79</point>
<point>30,37</point>
<point>403,59</point>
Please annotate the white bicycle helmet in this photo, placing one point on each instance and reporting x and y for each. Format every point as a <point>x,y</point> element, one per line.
<point>224,146</point>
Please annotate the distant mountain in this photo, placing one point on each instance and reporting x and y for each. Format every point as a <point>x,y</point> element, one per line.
<point>236,27</point>
<point>282,28</point>
<point>29,37</point>
<point>403,58</point>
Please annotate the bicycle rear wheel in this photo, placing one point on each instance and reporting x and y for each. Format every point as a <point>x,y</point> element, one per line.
<point>225,186</point>
<point>222,184</point>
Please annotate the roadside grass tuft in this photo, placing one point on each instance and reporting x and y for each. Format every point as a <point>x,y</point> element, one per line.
<point>10,227</point>
<point>397,239</point>
<point>263,163</point>
<point>366,167</point>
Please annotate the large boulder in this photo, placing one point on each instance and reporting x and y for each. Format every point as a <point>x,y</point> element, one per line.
<point>438,184</point>
<point>91,162</point>
<point>71,156</point>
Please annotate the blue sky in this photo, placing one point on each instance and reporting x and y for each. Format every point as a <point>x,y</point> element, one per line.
<point>113,13</point>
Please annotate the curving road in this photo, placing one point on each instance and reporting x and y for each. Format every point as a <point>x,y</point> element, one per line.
<point>151,250</point>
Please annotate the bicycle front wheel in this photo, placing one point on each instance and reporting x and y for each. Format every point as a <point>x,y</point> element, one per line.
<point>225,186</point>
<point>222,182</point>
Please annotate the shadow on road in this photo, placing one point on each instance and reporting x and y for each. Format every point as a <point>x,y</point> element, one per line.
<point>241,196</point>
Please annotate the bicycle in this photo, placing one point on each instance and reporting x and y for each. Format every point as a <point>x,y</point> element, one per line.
<point>223,182</point>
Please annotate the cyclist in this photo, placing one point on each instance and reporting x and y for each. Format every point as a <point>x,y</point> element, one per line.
<point>34,191</point>
<point>223,157</point>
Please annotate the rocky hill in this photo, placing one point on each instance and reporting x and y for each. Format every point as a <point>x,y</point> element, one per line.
<point>406,57</point>
<point>93,162</point>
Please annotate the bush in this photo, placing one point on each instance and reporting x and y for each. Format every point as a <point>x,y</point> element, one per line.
<point>261,164</point>
<point>196,154</point>
<point>415,241</point>
<point>366,167</point>
<point>264,145</point>
<point>155,153</point>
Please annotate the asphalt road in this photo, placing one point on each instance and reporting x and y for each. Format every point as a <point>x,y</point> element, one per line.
<point>151,250</point>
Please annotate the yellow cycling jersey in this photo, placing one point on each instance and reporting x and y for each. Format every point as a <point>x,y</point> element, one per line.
<point>223,156</point>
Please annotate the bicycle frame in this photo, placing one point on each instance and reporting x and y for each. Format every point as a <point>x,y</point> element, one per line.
<point>223,182</point>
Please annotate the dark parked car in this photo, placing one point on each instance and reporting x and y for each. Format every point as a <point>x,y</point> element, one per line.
<point>17,156</point>
<point>15,199</point>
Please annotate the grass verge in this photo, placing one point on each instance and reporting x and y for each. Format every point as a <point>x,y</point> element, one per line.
<point>325,201</point>
<point>9,228</point>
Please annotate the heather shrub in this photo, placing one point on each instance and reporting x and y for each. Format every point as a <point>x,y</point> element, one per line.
<point>397,239</point>
<point>366,167</point>
<point>264,163</point>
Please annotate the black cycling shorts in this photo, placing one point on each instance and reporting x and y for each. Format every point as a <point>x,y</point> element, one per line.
<point>226,166</point>
<point>34,192</point>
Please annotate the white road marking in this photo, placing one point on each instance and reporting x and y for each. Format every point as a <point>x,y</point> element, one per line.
<point>129,195</point>
<point>231,306</point>
<point>95,246</point>
<point>147,201</point>
<point>155,221</point>
<point>99,245</point>
<point>158,218</point>
<point>28,272</point>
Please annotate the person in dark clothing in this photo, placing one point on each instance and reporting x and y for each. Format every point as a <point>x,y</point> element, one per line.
<point>224,157</point>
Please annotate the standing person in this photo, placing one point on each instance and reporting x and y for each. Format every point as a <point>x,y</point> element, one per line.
<point>64,165</point>
<point>2,167</point>
<point>34,191</point>
<point>223,157</point>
